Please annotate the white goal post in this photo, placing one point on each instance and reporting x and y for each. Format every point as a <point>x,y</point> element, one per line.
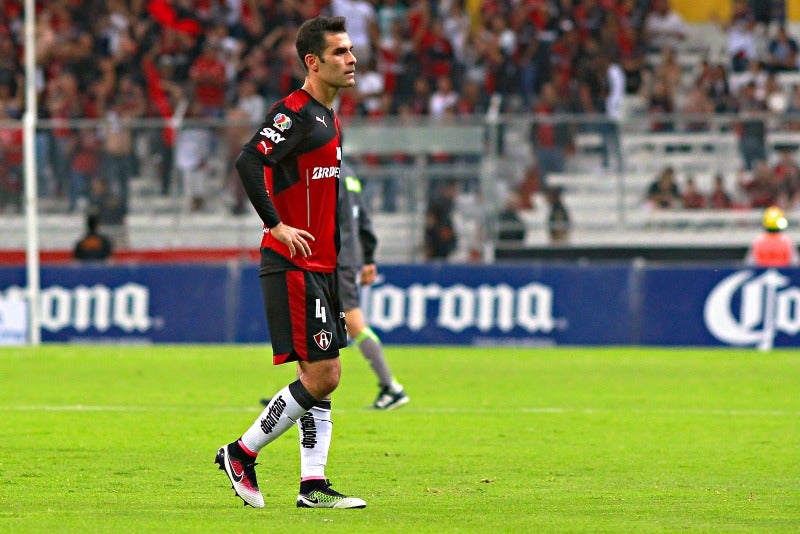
<point>31,193</point>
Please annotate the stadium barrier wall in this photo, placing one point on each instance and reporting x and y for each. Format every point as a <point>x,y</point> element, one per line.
<point>519,304</point>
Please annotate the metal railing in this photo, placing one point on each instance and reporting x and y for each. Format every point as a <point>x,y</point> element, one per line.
<point>604,173</point>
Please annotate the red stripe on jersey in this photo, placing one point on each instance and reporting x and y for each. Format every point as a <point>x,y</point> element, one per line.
<point>296,285</point>
<point>297,100</point>
<point>278,359</point>
<point>317,210</point>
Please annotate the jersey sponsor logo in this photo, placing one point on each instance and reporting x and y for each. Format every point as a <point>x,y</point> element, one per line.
<point>276,409</point>
<point>324,172</point>
<point>264,147</point>
<point>766,306</point>
<point>272,135</point>
<point>282,122</point>
<point>322,120</point>
<point>323,339</point>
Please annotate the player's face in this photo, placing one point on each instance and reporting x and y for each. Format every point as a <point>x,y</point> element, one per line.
<point>337,66</point>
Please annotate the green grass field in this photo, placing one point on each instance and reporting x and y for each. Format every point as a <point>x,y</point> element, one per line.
<point>122,439</point>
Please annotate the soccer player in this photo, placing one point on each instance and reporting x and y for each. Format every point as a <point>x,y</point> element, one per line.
<point>357,265</point>
<point>290,172</point>
<point>773,248</point>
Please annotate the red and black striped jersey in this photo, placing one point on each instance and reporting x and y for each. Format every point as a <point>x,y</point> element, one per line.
<point>290,171</point>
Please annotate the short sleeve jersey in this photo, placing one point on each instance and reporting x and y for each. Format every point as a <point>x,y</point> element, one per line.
<point>300,145</point>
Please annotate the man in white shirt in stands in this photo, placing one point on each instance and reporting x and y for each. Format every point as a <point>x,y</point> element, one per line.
<point>362,25</point>
<point>663,27</point>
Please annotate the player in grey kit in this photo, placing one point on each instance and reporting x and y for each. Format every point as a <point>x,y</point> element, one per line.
<point>356,265</point>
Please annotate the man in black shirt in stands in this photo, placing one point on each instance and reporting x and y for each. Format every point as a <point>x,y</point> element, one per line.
<point>93,245</point>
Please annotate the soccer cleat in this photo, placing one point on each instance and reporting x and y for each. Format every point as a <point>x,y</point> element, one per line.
<point>390,397</point>
<point>242,476</point>
<point>323,496</point>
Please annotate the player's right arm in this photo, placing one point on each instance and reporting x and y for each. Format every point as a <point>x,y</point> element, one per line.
<point>251,172</point>
<point>274,140</point>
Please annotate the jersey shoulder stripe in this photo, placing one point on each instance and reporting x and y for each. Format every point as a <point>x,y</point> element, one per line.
<point>296,100</point>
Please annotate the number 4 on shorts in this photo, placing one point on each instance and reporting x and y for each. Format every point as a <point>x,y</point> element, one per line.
<point>321,314</point>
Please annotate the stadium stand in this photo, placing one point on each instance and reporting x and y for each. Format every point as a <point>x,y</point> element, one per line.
<point>100,61</point>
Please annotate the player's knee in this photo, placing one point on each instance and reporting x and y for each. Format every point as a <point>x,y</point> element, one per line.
<point>321,378</point>
<point>329,383</point>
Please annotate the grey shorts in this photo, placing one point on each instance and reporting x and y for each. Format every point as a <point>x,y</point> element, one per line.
<point>348,288</point>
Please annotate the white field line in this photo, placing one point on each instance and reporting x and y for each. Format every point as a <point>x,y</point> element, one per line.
<point>465,411</point>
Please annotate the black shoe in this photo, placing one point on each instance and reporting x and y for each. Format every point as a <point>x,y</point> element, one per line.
<point>323,496</point>
<point>390,397</point>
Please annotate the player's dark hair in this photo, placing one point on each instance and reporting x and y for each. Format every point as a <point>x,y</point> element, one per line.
<point>311,35</point>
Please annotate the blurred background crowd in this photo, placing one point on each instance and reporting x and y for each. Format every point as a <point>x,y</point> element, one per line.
<point>124,60</point>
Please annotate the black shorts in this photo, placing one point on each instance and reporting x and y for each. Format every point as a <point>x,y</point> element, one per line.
<point>348,288</point>
<point>304,316</point>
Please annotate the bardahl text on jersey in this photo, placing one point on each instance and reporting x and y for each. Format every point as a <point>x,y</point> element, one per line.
<point>319,173</point>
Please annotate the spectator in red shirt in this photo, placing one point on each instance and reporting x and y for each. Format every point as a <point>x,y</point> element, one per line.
<point>85,163</point>
<point>719,198</point>
<point>10,165</point>
<point>471,101</point>
<point>691,197</point>
<point>550,139</point>
<point>63,103</point>
<point>435,51</point>
<point>207,75</point>
<point>564,58</point>
<point>761,188</point>
<point>787,178</point>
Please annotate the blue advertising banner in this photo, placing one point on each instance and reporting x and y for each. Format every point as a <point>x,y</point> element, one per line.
<point>717,306</point>
<point>520,304</point>
<point>489,305</point>
<point>251,326</point>
<point>96,303</point>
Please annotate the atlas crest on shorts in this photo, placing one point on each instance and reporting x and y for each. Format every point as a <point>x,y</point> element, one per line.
<point>323,339</point>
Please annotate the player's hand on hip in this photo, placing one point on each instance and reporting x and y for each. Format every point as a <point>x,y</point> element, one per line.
<point>296,240</point>
<point>368,274</point>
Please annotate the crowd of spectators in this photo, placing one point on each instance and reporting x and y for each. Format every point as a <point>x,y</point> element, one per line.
<point>123,60</point>
<point>769,184</point>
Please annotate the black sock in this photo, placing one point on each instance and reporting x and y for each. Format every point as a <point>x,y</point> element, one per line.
<point>236,450</point>
<point>301,395</point>
<point>307,486</point>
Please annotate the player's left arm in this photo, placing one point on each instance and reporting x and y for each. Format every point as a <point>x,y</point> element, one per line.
<point>368,241</point>
<point>366,234</point>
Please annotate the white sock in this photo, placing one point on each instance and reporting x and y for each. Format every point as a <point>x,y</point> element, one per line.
<point>316,429</point>
<point>283,410</point>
